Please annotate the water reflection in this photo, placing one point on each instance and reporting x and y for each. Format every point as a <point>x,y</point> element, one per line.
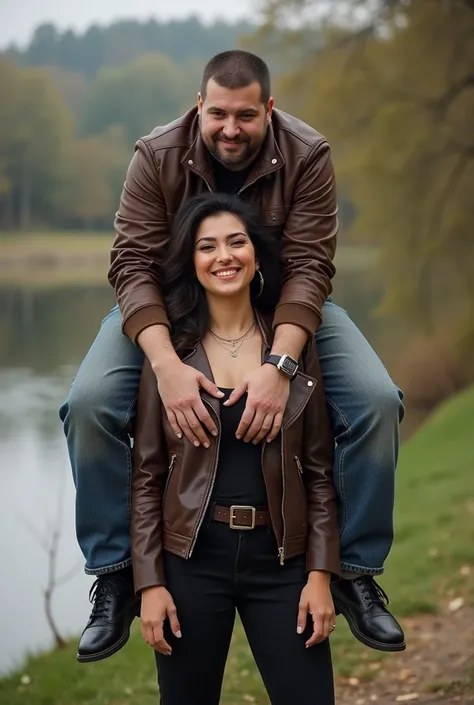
<point>43,336</point>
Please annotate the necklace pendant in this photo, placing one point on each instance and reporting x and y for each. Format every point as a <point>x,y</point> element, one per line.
<point>234,353</point>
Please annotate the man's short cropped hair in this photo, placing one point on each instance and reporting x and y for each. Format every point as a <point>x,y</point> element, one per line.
<point>237,69</point>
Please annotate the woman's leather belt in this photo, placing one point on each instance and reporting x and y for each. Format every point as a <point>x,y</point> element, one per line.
<point>241,516</point>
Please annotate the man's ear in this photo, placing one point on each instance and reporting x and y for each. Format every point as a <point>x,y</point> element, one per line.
<point>200,102</point>
<point>269,109</point>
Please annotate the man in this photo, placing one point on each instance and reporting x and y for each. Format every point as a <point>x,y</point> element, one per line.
<point>234,141</point>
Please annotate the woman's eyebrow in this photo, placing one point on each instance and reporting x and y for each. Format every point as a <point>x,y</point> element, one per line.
<point>209,238</point>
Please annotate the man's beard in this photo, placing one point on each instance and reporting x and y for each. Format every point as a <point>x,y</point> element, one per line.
<point>234,160</point>
<point>229,159</point>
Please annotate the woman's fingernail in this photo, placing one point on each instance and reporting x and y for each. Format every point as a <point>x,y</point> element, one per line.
<point>214,433</point>
<point>299,630</point>
<point>179,635</point>
<point>197,444</point>
<point>180,435</point>
<point>206,445</point>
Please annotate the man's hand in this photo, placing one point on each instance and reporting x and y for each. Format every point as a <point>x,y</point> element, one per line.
<point>268,390</point>
<point>178,387</point>
<point>157,605</point>
<point>316,600</point>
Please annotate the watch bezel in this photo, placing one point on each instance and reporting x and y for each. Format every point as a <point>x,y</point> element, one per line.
<point>288,365</point>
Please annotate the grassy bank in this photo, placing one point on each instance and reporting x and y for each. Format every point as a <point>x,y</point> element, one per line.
<point>54,259</point>
<point>435,538</point>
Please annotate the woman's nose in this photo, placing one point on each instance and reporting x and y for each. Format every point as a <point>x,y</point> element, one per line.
<point>224,255</point>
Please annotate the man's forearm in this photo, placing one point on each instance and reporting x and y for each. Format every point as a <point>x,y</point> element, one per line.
<point>289,340</point>
<point>156,344</point>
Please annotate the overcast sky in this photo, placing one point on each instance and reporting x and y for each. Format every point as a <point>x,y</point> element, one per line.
<point>19,18</point>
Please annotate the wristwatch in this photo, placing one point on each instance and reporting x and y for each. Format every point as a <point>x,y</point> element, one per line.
<point>285,364</point>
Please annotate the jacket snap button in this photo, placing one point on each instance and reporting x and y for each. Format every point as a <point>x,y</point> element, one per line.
<point>274,216</point>
<point>190,162</point>
<point>310,384</point>
<point>274,161</point>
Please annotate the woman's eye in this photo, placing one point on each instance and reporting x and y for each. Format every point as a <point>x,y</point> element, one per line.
<point>205,248</point>
<point>239,243</point>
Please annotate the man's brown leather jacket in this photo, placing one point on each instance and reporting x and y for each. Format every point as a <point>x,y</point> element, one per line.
<point>291,183</point>
<point>173,480</point>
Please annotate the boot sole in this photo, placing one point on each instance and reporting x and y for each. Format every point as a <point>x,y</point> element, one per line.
<point>100,655</point>
<point>367,641</point>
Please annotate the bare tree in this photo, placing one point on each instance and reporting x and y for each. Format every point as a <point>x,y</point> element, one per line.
<point>50,540</point>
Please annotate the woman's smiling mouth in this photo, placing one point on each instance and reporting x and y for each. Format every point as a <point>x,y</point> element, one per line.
<point>228,273</point>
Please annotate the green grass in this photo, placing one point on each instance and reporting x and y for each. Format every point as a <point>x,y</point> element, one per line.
<point>435,538</point>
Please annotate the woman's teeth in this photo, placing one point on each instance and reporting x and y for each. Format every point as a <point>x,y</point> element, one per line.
<point>228,273</point>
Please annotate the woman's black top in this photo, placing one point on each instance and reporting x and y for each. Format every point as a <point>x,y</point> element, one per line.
<point>239,478</point>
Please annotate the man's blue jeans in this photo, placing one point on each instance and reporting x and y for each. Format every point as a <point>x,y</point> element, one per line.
<point>365,409</point>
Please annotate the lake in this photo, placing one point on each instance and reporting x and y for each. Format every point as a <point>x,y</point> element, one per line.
<point>44,333</point>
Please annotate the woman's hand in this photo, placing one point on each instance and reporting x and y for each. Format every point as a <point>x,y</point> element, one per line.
<point>316,600</point>
<point>157,604</point>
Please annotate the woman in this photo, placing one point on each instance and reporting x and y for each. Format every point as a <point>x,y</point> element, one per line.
<point>235,525</point>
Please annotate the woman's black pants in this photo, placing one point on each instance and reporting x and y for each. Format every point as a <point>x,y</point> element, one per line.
<point>240,570</point>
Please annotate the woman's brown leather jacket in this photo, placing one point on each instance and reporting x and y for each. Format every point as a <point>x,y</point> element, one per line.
<point>173,480</point>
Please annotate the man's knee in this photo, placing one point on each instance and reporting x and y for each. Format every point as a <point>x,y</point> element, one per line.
<point>385,402</point>
<point>91,404</point>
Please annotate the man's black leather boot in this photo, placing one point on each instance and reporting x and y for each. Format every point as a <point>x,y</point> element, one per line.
<point>115,605</point>
<point>364,604</point>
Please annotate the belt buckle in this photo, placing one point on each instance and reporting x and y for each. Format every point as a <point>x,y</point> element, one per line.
<point>245,508</point>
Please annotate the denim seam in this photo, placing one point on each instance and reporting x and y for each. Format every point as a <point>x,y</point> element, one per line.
<point>361,569</point>
<point>109,569</point>
<point>340,474</point>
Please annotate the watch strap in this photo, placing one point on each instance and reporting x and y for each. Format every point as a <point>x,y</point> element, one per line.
<point>276,359</point>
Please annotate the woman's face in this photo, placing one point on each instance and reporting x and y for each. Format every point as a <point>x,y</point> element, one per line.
<point>224,256</point>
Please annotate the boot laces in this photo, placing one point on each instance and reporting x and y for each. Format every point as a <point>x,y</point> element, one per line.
<point>371,591</point>
<point>100,595</point>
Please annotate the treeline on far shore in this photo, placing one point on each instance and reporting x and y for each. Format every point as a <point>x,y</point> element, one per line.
<point>74,104</point>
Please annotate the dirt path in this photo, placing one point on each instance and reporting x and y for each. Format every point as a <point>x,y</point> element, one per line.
<point>435,668</point>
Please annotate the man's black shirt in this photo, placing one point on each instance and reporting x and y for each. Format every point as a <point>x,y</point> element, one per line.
<point>228,181</point>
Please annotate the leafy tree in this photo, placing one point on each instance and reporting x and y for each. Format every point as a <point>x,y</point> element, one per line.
<point>35,127</point>
<point>91,180</point>
<point>149,91</point>
<point>395,95</point>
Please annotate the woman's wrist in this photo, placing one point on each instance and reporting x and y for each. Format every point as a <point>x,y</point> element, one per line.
<point>319,576</point>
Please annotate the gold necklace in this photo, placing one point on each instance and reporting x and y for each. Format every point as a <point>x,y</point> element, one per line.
<point>232,341</point>
<point>236,343</point>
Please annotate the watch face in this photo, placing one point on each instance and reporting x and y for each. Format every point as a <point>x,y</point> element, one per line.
<point>288,365</point>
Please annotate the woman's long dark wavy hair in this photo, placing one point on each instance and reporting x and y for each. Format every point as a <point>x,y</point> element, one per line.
<point>185,297</point>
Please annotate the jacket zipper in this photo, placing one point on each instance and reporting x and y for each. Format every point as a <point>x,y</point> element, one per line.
<point>281,550</point>
<point>214,472</point>
<point>298,464</point>
<point>170,472</point>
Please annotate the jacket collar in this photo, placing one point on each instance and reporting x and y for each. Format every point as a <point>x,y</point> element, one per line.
<point>197,158</point>
<point>301,387</point>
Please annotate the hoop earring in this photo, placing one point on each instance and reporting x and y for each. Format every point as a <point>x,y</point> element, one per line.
<point>262,283</point>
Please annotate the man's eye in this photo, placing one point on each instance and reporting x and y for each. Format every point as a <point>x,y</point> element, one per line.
<point>247,116</point>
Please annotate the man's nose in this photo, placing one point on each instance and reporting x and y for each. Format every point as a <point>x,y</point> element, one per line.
<point>231,129</point>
